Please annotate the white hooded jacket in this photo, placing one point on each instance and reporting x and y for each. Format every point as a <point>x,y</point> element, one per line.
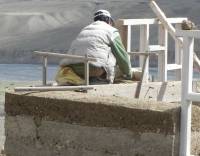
<point>95,41</point>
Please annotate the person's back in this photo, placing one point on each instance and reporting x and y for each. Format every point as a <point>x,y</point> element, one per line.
<point>94,41</point>
<point>101,41</point>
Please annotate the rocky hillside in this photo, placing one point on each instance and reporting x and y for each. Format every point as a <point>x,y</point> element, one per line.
<point>28,25</point>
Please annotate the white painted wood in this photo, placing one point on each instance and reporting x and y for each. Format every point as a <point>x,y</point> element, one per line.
<point>85,59</point>
<point>174,66</point>
<point>142,53</point>
<point>40,53</point>
<point>145,69</point>
<point>128,43</point>
<point>196,60</point>
<point>167,24</point>
<point>44,70</point>
<point>185,128</point>
<point>128,38</point>
<point>143,77</point>
<point>162,57</point>
<point>52,88</point>
<point>193,97</point>
<point>86,71</point>
<point>187,73</point>
<point>157,47</point>
<point>171,29</point>
<point>149,21</point>
<point>188,33</point>
<point>161,16</point>
<point>144,42</point>
<point>178,54</point>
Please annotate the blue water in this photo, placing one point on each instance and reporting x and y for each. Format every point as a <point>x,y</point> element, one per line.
<point>33,72</point>
<point>25,72</point>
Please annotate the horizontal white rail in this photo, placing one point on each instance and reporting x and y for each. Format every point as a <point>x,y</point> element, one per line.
<point>188,33</point>
<point>142,53</point>
<point>156,48</point>
<point>149,21</point>
<point>125,26</point>
<point>173,66</point>
<point>85,59</point>
<point>193,97</point>
<point>53,88</point>
<point>64,56</point>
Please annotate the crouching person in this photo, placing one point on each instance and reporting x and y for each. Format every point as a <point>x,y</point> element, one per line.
<point>99,40</point>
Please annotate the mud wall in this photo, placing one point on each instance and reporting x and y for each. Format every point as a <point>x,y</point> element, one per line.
<point>81,124</point>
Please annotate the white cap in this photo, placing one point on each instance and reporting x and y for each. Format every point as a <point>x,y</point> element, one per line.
<point>102,12</point>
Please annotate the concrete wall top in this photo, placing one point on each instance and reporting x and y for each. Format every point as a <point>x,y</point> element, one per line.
<point>99,111</point>
<point>104,121</point>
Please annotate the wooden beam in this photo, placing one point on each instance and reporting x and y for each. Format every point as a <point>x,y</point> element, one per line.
<point>196,60</point>
<point>51,54</point>
<point>160,14</point>
<point>148,21</point>
<point>128,38</point>
<point>44,69</point>
<point>143,53</point>
<point>173,66</point>
<point>144,42</point>
<point>187,75</point>
<point>194,97</point>
<point>53,88</point>
<point>178,54</point>
<point>143,77</point>
<point>188,33</point>
<point>86,64</point>
<point>162,58</point>
<point>157,48</point>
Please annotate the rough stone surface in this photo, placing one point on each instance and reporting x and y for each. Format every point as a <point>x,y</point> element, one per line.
<point>85,109</point>
<point>58,138</point>
<point>81,124</point>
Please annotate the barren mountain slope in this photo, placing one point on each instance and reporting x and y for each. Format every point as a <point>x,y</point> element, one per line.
<point>28,25</point>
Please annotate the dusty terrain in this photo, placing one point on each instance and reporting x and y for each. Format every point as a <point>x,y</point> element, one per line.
<point>28,25</point>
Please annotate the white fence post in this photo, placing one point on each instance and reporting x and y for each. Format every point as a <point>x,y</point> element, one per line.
<point>162,57</point>
<point>128,38</point>
<point>86,64</point>
<point>178,54</point>
<point>144,43</point>
<point>44,73</point>
<point>187,75</point>
<point>128,44</point>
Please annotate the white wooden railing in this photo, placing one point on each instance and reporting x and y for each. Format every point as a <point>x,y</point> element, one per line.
<point>45,55</point>
<point>187,95</point>
<point>125,26</point>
